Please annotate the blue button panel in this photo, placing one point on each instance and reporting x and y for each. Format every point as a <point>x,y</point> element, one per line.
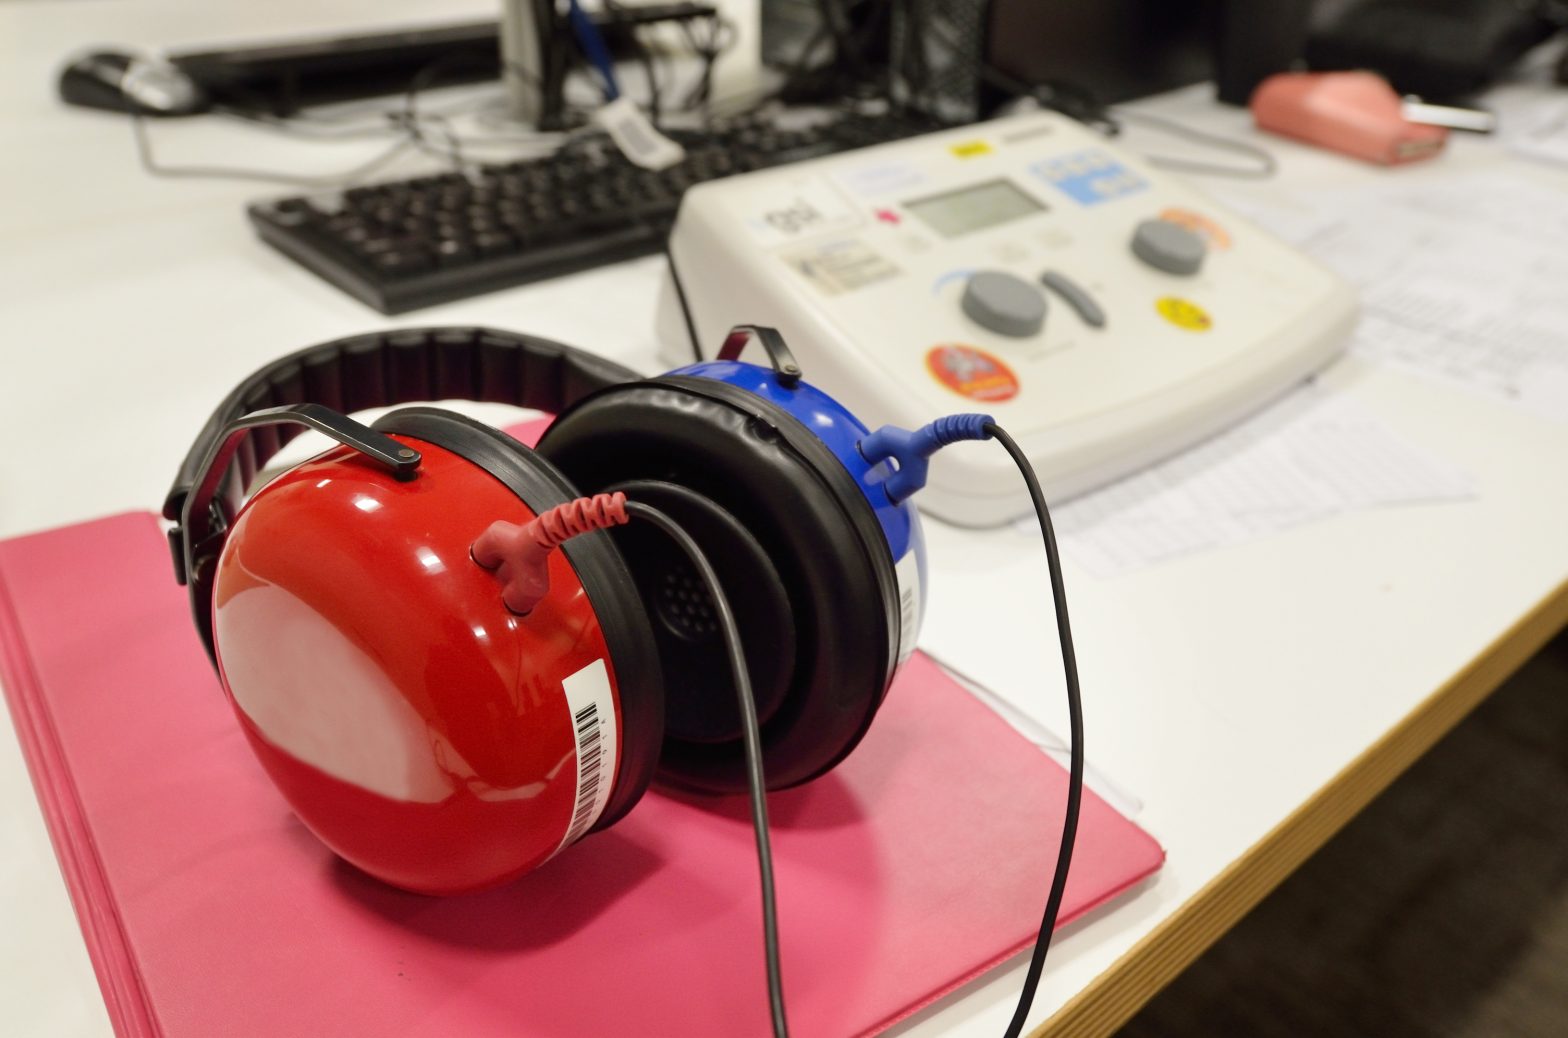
<point>1090,176</point>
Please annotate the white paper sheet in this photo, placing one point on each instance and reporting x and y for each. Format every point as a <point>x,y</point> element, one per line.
<point>1311,455</point>
<point>1543,135</point>
<point>1463,280</point>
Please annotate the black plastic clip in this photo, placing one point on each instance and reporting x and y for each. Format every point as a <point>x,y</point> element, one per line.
<point>784,364</point>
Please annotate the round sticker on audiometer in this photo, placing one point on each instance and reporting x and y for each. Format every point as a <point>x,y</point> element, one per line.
<point>973,373</point>
<point>1184,313</point>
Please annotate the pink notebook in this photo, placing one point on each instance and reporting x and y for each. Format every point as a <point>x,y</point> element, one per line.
<point>208,910</point>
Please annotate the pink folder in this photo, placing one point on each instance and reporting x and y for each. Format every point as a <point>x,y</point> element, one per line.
<point>209,910</point>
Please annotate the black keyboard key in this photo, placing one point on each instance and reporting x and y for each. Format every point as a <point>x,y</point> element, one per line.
<point>400,261</point>
<point>494,243</point>
<point>452,252</point>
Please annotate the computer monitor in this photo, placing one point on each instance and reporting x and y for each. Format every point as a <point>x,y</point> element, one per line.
<point>960,59</point>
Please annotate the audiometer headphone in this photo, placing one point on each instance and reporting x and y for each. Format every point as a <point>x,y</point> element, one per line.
<point>455,657</point>
<point>342,597</point>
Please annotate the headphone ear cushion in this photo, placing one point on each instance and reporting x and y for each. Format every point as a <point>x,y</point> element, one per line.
<point>598,564</point>
<point>685,622</point>
<point>752,461</point>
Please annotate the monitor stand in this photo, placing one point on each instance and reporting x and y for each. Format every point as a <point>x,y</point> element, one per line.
<point>528,69</point>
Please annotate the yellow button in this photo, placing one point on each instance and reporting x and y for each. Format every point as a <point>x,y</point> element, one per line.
<point>1184,313</point>
<point>969,149</point>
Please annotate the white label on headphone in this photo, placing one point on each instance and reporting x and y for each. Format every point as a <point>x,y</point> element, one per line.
<point>592,704</point>
<point>907,570</point>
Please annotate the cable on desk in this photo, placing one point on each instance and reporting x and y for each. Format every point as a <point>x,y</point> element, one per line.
<point>722,35</point>
<point>409,125</point>
<point>752,739</point>
<point>411,117</point>
<point>1064,854</point>
<point>405,125</point>
<point>153,167</point>
<point>909,452</point>
<point>1266,164</point>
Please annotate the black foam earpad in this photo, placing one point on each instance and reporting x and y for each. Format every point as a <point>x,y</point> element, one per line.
<point>756,463</point>
<point>608,583</point>
<point>683,618</point>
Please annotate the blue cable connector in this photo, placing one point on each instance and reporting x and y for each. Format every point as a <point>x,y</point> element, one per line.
<point>911,450</point>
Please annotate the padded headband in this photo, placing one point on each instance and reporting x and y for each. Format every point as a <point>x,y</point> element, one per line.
<point>382,369</point>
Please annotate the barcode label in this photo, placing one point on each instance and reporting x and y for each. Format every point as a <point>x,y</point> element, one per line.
<point>592,705</point>
<point>636,137</point>
<point>907,570</point>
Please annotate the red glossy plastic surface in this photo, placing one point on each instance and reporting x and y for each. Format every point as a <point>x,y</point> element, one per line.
<point>414,724</point>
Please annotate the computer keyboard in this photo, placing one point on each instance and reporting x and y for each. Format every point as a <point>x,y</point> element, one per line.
<point>413,243</point>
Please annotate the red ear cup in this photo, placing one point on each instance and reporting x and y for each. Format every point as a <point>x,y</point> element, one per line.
<point>417,726</point>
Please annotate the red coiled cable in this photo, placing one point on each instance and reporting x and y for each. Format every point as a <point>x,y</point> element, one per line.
<point>582,515</point>
<point>520,553</point>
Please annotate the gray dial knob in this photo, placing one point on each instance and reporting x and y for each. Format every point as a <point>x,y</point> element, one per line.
<point>1004,304</point>
<point>1165,246</point>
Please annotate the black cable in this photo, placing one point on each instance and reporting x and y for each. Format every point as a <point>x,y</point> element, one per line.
<point>1071,101</point>
<point>808,50</point>
<point>875,72</point>
<point>1079,103</point>
<point>152,166</point>
<point>365,124</point>
<point>753,742</point>
<point>1064,854</point>
<point>850,71</point>
<point>378,128</point>
<point>917,61</point>
<point>697,96</point>
<point>423,80</point>
<point>404,123</point>
<point>411,119</point>
<point>680,297</point>
<point>409,125</point>
<point>644,55</point>
<point>845,51</point>
<point>722,35</point>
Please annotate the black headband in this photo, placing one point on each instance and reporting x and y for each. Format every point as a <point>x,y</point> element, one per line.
<point>313,387</point>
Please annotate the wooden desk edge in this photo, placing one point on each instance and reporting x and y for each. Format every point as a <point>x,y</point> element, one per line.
<point>1118,993</point>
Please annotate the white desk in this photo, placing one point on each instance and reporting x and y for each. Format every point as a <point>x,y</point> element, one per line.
<point>1254,698</point>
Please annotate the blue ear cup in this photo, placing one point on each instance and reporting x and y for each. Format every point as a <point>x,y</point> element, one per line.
<point>841,432</point>
<point>769,467</point>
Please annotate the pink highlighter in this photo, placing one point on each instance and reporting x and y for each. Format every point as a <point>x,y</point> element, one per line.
<point>1356,113</point>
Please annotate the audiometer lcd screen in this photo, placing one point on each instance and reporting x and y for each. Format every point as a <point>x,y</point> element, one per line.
<point>973,208</point>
